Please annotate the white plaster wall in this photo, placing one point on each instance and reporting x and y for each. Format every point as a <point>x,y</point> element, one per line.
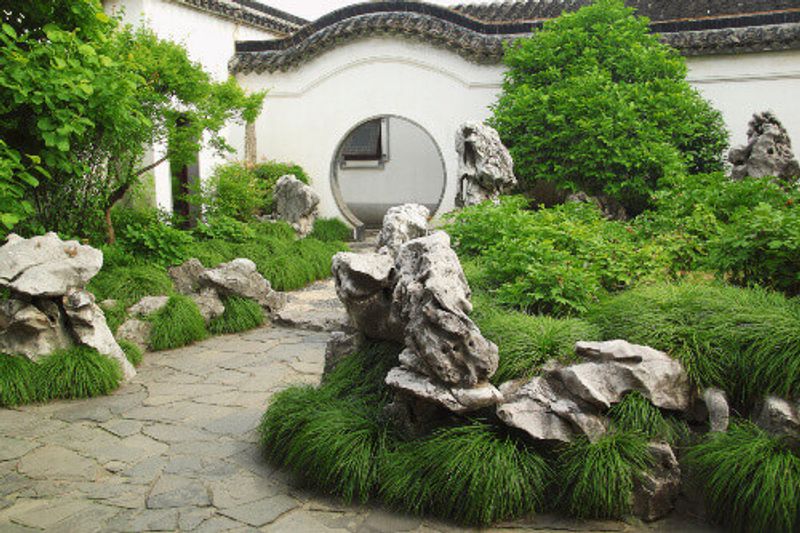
<point>309,110</point>
<point>740,85</point>
<point>210,41</point>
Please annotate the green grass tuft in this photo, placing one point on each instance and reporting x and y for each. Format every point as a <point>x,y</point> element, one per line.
<point>77,372</point>
<point>177,324</point>
<point>744,341</point>
<point>130,284</point>
<point>132,352</point>
<point>240,314</point>
<point>596,479</point>
<point>115,316</point>
<point>635,413</point>
<point>526,342</point>
<point>18,381</point>
<point>473,474</point>
<point>331,229</point>
<point>750,479</point>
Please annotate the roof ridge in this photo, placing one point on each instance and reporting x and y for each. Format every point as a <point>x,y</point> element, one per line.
<point>268,9</point>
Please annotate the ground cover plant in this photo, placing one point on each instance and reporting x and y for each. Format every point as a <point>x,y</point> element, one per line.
<point>240,314</point>
<point>177,324</point>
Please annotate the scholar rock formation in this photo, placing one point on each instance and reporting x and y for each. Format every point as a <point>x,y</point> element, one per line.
<point>655,491</point>
<point>455,399</point>
<point>241,278</point>
<point>572,400</point>
<point>768,151</point>
<point>296,203</point>
<point>32,331</point>
<point>401,224</point>
<point>485,168</point>
<point>88,324</point>
<point>47,266</point>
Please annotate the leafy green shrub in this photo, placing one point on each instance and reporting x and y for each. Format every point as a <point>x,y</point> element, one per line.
<point>130,284</point>
<point>77,372</point>
<point>235,191</point>
<point>18,383</point>
<point>331,229</point>
<point>132,352</point>
<point>224,228</point>
<point>177,324</point>
<point>760,246</point>
<point>527,342</point>
<point>600,70</point>
<point>157,242</point>
<point>270,172</point>
<point>636,414</point>
<point>240,314</point>
<point>751,480</point>
<point>557,260</point>
<point>473,474</point>
<point>115,256</point>
<point>745,341</point>
<point>596,478</point>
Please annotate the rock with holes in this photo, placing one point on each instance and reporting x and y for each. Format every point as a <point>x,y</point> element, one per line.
<point>768,151</point>
<point>401,224</point>
<point>296,203</point>
<point>240,278</point>
<point>47,266</point>
<point>32,329</point>
<point>485,167</point>
<point>88,325</point>
<point>656,490</point>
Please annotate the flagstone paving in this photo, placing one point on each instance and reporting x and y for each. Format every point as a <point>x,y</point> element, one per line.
<point>176,449</point>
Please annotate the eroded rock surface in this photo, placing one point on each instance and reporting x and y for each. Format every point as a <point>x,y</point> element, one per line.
<point>655,491</point>
<point>148,305</point>
<point>778,417</point>
<point>296,203</point>
<point>485,167</point>
<point>135,331</point>
<point>47,266</point>
<point>401,224</point>
<point>32,331</point>
<point>768,151</point>
<point>186,277</point>
<point>240,278</point>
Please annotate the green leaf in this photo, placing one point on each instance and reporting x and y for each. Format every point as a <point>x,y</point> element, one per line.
<point>8,30</point>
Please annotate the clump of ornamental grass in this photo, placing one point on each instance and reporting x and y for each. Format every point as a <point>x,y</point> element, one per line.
<point>240,314</point>
<point>597,478</point>
<point>635,413</point>
<point>744,341</point>
<point>18,381</point>
<point>177,324</point>
<point>115,315</point>
<point>474,474</point>
<point>331,229</point>
<point>131,283</point>
<point>751,480</point>
<point>77,372</point>
<point>132,352</point>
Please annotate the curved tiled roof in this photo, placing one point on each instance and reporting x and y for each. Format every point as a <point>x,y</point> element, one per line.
<point>250,12</point>
<point>481,40</point>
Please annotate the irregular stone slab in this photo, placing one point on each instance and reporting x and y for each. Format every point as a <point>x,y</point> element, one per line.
<point>262,512</point>
<point>778,417</point>
<point>173,491</point>
<point>136,331</point>
<point>401,224</point>
<point>88,324</point>
<point>32,331</point>
<point>656,490</point>
<point>619,367</point>
<point>432,298</point>
<point>148,305</point>
<point>11,448</point>
<point>186,277</point>
<point>47,266</point>
<point>240,278</point>
<point>768,152</point>
<point>485,167</point>
<point>314,308</point>
<point>55,462</point>
<point>455,399</point>
<point>209,304</point>
<point>364,285</point>
<point>296,203</point>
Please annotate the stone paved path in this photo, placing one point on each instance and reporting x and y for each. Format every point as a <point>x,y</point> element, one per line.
<point>176,449</point>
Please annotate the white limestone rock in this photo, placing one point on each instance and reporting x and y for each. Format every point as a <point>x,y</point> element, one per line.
<point>148,305</point>
<point>296,203</point>
<point>31,330</point>
<point>716,405</point>
<point>240,278</point>
<point>186,277</point>
<point>209,304</point>
<point>88,325</point>
<point>485,167</point>
<point>401,224</point>
<point>136,331</point>
<point>454,399</point>
<point>47,266</point>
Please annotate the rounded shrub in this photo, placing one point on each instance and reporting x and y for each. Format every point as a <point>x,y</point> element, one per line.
<point>240,314</point>
<point>331,229</point>
<point>177,324</point>
<point>77,372</point>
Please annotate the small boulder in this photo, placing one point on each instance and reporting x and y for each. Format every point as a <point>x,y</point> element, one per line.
<point>401,224</point>
<point>186,277</point>
<point>148,305</point>
<point>485,167</point>
<point>454,399</point>
<point>296,203</point>
<point>209,304</point>
<point>655,491</point>
<point>768,152</point>
<point>240,278</point>
<point>716,404</point>
<point>31,330</point>
<point>135,331</point>
<point>778,417</point>
<point>47,266</point>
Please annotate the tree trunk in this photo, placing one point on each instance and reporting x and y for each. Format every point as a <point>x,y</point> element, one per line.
<point>111,236</point>
<point>250,144</point>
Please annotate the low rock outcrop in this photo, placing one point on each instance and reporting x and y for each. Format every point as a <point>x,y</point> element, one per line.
<point>485,167</point>
<point>401,224</point>
<point>241,278</point>
<point>49,309</point>
<point>768,151</point>
<point>296,203</point>
<point>778,417</point>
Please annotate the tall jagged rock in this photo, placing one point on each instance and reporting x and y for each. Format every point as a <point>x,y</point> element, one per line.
<point>485,167</point>
<point>296,203</point>
<point>768,151</point>
<point>401,224</point>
